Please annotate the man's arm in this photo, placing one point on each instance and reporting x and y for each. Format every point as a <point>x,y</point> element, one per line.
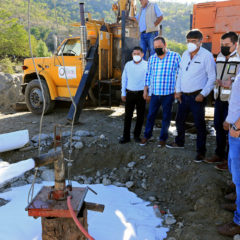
<point>147,88</point>
<point>178,94</point>
<point>210,66</point>
<point>158,14</point>
<point>124,83</point>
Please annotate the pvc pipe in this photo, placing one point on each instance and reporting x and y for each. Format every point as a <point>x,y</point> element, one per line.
<point>9,171</point>
<point>13,140</point>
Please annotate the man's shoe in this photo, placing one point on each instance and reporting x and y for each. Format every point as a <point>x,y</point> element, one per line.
<point>161,144</point>
<point>231,207</point>
<point>214,159</point>
<point>143,141</point>
<point>173,145</point>
<point>199,158</point>
<point>231,196</point>
<point>137,139</point>
<point>124,140</point>
<point>222,167</point>
<point>229,229</point>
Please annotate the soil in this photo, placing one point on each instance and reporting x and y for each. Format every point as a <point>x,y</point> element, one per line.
<point>193,192</point>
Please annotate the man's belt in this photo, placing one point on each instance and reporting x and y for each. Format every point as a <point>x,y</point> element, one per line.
<point>134,92</point>
<point>192,93</point>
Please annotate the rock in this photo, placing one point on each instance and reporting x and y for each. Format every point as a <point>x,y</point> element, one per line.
<point>152,198</point>
<point>97,181</point>
<point>143,157</point>
<point>98,173</point>
<point>144,186</point>
<point>66,134</point>
<point>25,149</point>
<point>19,183</point>
<point>102,137</point>
<point>83,133</point>
<point>76,138</point>
<point>106,182</point>
<point>129,184</point>
<point>178,167</point>
<point>131,164</point>
<point>169,219</point>
<point>42,137</point>
<point>48,175</point>
<point>118,184</point>
<point>149,165</point>
<point>90,180</point>
<point>236,237</point>
<point>78,145</point>
<point>171,238</point>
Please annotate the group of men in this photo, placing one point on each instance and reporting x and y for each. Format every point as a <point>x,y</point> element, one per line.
<point>189,80</point>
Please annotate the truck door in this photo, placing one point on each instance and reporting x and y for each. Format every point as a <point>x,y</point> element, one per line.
<point>68,66</point>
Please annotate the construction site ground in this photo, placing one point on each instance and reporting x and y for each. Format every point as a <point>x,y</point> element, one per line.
<point>193,192</point>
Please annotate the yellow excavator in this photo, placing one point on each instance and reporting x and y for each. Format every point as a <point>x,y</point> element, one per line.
<point>83,64</point>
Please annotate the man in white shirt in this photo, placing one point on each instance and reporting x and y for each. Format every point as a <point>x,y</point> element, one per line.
<point>196,78</point>
<point>133,80</point>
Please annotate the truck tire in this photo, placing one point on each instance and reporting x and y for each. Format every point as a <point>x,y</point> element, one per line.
<point>34,97</point>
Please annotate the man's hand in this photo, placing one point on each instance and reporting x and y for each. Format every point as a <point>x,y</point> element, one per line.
<point>226,126</point>
<point>227,83</point>
<point>199,98</point>
<point>178,97</point>
<point>234,133</point>
<point>219,82</point>
<point>123,98</point>
<point>148,99</point>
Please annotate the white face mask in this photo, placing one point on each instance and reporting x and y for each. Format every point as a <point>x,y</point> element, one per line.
<point>191,47</point>
<point>137,58</point>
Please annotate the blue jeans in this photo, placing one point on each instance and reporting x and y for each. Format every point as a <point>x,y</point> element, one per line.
<point>155,103</point>
<point>234,168</point>
<point>198,110</point>
<point>146,43</point>
<point>220,114</point>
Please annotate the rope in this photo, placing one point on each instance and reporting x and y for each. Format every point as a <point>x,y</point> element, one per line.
<point>69,161</point>
<point>31,190</point>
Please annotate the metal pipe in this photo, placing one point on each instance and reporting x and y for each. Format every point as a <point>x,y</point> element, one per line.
<point>123,40</point>
<point>82,18</point>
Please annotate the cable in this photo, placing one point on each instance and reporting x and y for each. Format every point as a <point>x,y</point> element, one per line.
<point>79,225</point>
<point>31,190</point>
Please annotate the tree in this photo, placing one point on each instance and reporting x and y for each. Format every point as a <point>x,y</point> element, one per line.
<point>42,50</point>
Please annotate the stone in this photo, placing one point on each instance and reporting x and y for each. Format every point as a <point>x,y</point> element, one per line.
<point>43,137</point>
<point>171,238</point>
<point>118,184</point>
<point>48,175</point>
<point>66,134</point>
<point>97,181</point>
<point>152,198</point>
<point>102,136</point>
<point>131,164</point>
<point>106,182</point>
<point>83,133</point>
<point>19,183</point>
<point>169,219</point>
<point>143,157</point>
<point>3,202</point>
<point>78,145</point>
<point>236,237</point>
<point>144,186</point>
<point>76,138</point>
<point>98,173</point>
<point>129,184</point>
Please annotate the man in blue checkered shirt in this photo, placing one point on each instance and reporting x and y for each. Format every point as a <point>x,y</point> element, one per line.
<point>159,88</point>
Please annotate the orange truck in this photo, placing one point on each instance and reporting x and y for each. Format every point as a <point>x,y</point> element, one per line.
<point>214,19</point>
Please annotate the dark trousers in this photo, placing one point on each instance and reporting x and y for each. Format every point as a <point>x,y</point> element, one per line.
<point>134,99</point>
<point>198,110</point>
<point>220,114</point>
<point>155,103</point>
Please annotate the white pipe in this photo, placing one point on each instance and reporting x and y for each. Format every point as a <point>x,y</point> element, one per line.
<point>9,171</point>
<point>13,140</point>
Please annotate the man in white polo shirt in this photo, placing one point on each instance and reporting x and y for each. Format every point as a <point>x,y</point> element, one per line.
<point>133,80</point>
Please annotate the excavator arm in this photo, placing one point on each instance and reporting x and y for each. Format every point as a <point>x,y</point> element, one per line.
<point>129,6</point>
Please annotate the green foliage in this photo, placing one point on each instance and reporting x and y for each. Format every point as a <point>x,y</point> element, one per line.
<point>6,65</point>
<point>42,50</point>
<point>176,47</point>
<point>13,37</point>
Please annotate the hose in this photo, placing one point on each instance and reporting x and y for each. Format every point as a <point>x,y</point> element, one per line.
<point>79,225</point>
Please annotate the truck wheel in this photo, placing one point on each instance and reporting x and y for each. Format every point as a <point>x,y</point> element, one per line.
<point>34,97</point>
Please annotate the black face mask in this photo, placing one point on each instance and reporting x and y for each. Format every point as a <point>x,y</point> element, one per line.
<point>159,51</point>
<point>225,51</point>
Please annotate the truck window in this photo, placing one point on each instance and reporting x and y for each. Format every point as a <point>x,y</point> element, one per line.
<point>71,48</point>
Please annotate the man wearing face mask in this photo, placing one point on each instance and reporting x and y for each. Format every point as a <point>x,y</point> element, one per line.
<point>159,88</point>
<point>195,81</point>
<point>228,62</point>
<point>149,18</point>
<point>133,79</point>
